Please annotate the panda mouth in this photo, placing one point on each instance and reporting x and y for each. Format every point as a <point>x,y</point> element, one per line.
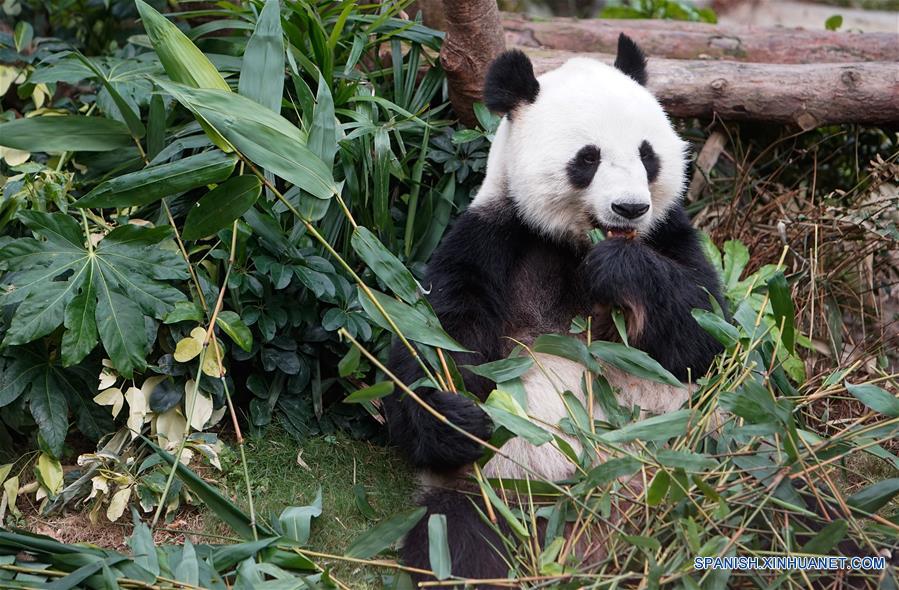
<point>628,233</point>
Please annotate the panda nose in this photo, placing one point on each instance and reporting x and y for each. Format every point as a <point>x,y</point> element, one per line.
<point>630,210</point>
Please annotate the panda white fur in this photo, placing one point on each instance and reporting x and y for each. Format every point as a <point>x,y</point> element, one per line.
<point>581,147</point>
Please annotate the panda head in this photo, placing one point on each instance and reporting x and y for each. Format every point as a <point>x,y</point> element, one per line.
<point>582,146</point>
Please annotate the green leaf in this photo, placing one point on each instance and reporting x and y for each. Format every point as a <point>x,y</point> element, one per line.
<point>222,205</point>
<point>50,410</point>
<point>132,119</point>
<point>633,361</point>
<point>120,323</point>
<point>782,305</point>
<point>438,547</point>
<point>686,460</point>
<point>875,398</point>
<point>23,35</point>
<point>69,133</point>
<point>59,229</point>
<point>385,534</point>
<point>349,363</point>
<point>875,496</point>
<point>41,312</point>
<point>142,545</point>
<point>385,265</point>
<point>362,504</point>
<point>376,391</point>
<point>658,487</point>
<point>323,134</point>
<point>18,373</point>
<point>155,182</point>
<point>236,329</point>
<point>183,62</point>
<point>724,332</point>
<point>656,428</point>
<point>184,311</point>
<point>188,569</point>
<point>266,138</point>
<point>611,470</point>
<point>506,412</point>
<point>503,369</point>
<point>80,322</point>
<point>296,521</point>
<point>833,22</point>
<point>262,71</point>
<point>415,324</point>
<point>565,347</point>
<point>827,538</point>
<point>503,509</point>
<point>736,257</point>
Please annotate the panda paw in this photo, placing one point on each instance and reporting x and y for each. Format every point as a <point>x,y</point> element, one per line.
<point>618,271</point>
<point>442,448</point>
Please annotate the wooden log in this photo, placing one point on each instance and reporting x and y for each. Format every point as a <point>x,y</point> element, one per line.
<point>688,40</point>
<point>807,95</point>
<point>474,36</point>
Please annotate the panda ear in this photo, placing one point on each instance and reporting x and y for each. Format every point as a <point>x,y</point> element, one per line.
<point>510,82</point>
<point>630,59</point>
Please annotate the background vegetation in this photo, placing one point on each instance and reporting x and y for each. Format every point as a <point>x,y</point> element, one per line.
<point>202,211</point>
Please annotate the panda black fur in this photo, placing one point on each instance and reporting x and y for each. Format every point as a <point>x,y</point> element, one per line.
<point>580,147</point>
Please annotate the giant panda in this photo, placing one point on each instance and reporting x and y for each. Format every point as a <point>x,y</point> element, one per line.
<point>582,147</point>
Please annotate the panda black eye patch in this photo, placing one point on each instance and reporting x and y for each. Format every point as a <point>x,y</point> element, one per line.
<point>650,161</point>
<point>582,167</point>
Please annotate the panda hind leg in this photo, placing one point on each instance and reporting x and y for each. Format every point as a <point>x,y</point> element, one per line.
<point>476,550</point>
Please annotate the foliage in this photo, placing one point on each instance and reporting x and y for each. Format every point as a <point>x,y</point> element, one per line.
<point>665,9</point>
<point>144,192</point>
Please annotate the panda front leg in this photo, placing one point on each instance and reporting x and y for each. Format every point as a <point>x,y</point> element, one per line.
<point>658,295</point>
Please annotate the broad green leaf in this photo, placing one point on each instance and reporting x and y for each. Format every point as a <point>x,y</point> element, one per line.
<point>362,504</point>
<point>296,521</point>
<point>656,428</point>
<point>19,372</point>
<point>349,363</point>
<point>385,265</point>
<point>438,547</point>
<point>412,322</point>
<point>80,322</point>
<point>875,398</point>
<point>724,332</point>
<point>658,487</point>
<point>736,257</point>
<point>266,138</point>
<point>68,133</point>
<point>633,361</point>
<point>50,409</point>
<point>236,329</point>
<point>156,121</point>
<point>188,569</point>
<point>218,208</point>
<point>142,545</point>
<point>120,324</point>
<point>60,230</point>
<point>42,311</point>
<point>782,305</point>
<point>262,72</point>
<point>833,22</point>
<point>385,534</point>
<point>23,35</point>
<point>49,472</point>
<point>376,391</point>
<point>875,496</point>
<point>184,311</point>
<point>155,182</point>
<point>323,134</point>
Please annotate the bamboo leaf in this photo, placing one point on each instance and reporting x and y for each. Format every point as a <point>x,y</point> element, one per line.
<point>385,265</point>
<point>633,361</point>
<point>438,547</point>
<point>385,534</point>
<point>68,133</point>
<point>262,72</point>
<point>376,391</point>
<point>218,208</point>
<point>875,398</point>
<point>155,182</point>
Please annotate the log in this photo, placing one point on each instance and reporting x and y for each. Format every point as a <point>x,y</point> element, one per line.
<point>688,40</point>
<point>474,36</point>
<point>807,95</point>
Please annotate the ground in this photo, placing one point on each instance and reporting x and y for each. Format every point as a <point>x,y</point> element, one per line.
<point>283,473</point>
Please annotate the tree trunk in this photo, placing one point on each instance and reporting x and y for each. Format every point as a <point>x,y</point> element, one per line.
<point>687,40</point>
<point>807,95</point>
<point>474,36</point>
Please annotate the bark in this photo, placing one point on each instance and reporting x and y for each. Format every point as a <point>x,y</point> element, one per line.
<point>687,40</point>
<point>807,95</point>
<point>474,36</point>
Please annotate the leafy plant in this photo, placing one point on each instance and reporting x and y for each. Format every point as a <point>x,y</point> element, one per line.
<point>665,9</point>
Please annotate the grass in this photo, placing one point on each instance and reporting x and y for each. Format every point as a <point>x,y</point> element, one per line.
<point>284,472</point>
